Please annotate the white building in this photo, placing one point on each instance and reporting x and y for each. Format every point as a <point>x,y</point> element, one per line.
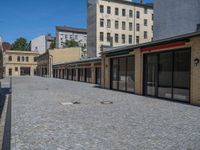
<point>116,23</point>
<point>41,43</point>
<point>64,33</point>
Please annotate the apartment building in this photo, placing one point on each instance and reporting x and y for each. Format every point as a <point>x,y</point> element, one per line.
<point>42,43</point>
<point>20,63</point>
<point>175,17</point>
<point>113,23</point>
<point>64,33</point>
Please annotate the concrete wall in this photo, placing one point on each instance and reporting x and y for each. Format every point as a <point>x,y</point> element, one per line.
<point>175,17</point>
<point>39,44</point>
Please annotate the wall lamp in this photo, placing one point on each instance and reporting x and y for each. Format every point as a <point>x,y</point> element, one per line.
<point>196,61</point>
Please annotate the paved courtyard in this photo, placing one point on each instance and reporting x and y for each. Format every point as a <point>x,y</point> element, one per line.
<point>42,119</point>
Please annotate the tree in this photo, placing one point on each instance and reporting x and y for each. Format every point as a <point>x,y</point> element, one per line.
<point>21,44</point>
<point>53,44</point>
<point>71,43</point>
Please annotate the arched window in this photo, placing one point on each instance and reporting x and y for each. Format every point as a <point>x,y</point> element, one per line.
<point>18,58</point>
<point>10,58</point>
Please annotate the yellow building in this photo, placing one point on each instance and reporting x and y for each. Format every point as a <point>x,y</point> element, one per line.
<point>51,57</point>
<point>20,63</point>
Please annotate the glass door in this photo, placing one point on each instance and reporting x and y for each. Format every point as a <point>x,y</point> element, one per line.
<point>150,74</point>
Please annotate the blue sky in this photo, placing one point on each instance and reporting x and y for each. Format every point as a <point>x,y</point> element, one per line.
<point>31,18</point>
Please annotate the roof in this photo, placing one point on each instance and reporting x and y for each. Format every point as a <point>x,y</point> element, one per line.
<point>80,61</point>
<point>71,29</point>
<point>146,5</point>
<point>153,43</point>
<point>21,52</point>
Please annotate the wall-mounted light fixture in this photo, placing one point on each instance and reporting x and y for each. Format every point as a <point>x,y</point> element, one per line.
<point>196,61</point>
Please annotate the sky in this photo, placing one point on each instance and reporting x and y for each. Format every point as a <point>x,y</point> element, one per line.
<point>31,18</point>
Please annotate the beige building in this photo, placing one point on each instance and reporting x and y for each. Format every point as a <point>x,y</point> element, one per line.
<point>113,23</point>
<point>20,63</point>
<point>52,57</point>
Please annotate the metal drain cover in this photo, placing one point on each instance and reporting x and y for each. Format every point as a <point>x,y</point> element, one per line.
<point>106,102</point>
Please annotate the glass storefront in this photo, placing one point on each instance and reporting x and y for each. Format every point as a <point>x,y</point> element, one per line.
<point>88,75</point>
<point>123,73</point>
<point>98,75</point>
<point>167,75</point>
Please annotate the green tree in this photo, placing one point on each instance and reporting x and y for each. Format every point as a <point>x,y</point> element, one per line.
<point>21,44</point>
<point>71,43</point>
<point>53,44</point>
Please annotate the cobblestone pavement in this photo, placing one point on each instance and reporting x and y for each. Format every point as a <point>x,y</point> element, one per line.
<point>41,122</point>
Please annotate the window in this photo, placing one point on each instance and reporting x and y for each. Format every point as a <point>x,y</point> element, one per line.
<point>137,14</point>
<point>116,11</point>
<point>18,58</point>
<point>130,39</point>
<point>76,37</point>
<point>22,58</point>
<point>10,71</point>
<point>123,25</point>
<point>123,12</point>
<point>66,36</point>
<point>101,36</point>
<point>108,23</point>
<point>35,59</point>
<point>130,26</point>
<point>108,37</point>
<point>116,38</point>
<point>101,22</point>
<point>145,22</point>
<point>116,24</point>
<point>108,10</point>
<point>152,28</point>
<point>145,10</point>
<point>71,36</point>
<point>10,58</point>
<point>137,27</point>
<point>27,59</point>
<point>145,35</point>
<point>130,13</point>
<point>123,38</point>
<point>137,39</point>
<point>16,68</point>
<point>101,9</point>
<point>152,17</point>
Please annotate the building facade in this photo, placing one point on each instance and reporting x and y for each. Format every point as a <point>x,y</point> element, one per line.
<point>113,23</point>
<point>42,43</point>
<point>1,58</point>
<point>175,17</point>
<point>64,33</point>
<point>166,69</point>
<point>52,57</point>
<point>20,63</point>
<point>88,70</point>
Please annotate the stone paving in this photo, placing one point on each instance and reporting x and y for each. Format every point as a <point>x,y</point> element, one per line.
<point>41,122</point>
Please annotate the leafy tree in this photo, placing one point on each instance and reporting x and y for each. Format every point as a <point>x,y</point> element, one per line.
<point>71,43</point>
<point>21,44</point>
<point>53,44</point>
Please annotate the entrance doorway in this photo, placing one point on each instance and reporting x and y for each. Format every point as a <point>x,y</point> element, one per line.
<point>167,75</point>
<point>25,71</point>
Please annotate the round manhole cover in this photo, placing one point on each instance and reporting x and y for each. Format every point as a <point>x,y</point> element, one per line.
<point>106,102</point>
